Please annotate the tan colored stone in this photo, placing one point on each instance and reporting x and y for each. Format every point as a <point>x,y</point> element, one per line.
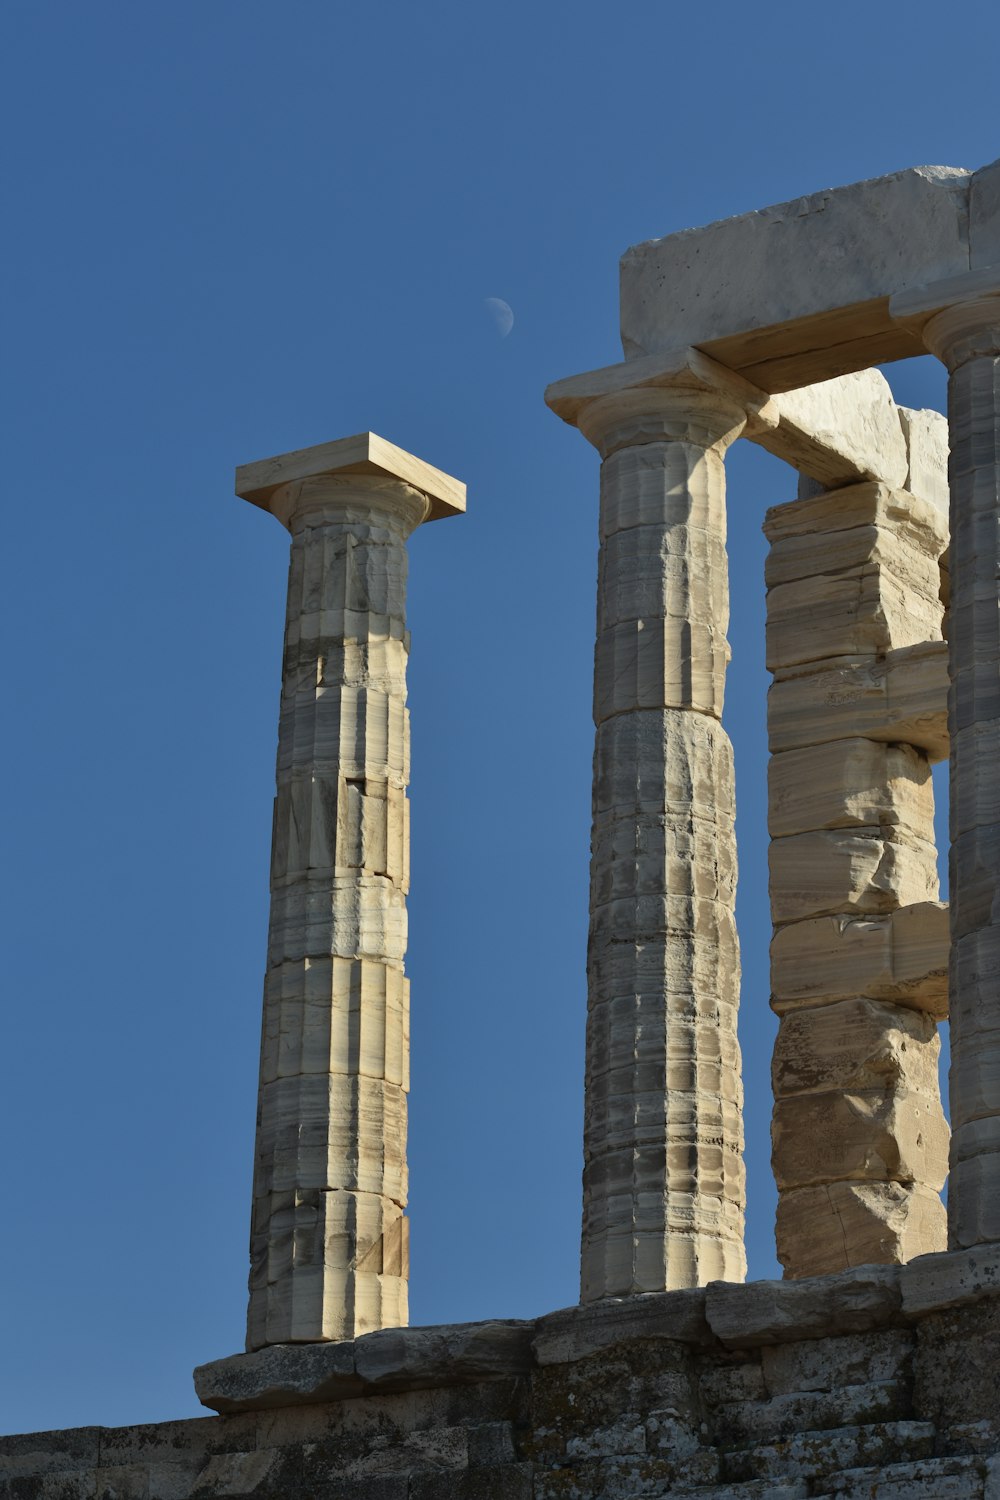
<point>855,1045</point>
<point>867,1135</point>
<point>845,1224</point>
<point>848,871</point>
<point>866,612</point>
<point>891,509</point>
<point>902,698</point>
<point>850,783</point>
<point>926,433</point>
<point>900,956</point>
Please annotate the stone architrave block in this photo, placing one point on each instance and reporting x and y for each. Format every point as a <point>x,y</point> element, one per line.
<point>838,431</point>
<point>926,433</point>
<point>855,1045</point>
<point>902,699</point>
<point>775,277</point>
<point>901,956</point>
<point>870,1135</point>
<point>984,217</point>
<point>850,783</point>
<point>855,871</point>
<point>885,1223</point>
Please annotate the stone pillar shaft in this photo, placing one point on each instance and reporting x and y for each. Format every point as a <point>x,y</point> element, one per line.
<point>967,338</point>
<point>663,1172</point>
<point>329,1239</point>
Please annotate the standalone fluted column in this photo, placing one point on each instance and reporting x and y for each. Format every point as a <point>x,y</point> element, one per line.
<point>663,1173</point>
<point>329,1239</point>
<point>967,339</point>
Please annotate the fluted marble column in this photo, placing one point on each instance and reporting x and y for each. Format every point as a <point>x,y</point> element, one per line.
<point>967,338</point>
<point>329,1238</point>
<point>663,1136</point>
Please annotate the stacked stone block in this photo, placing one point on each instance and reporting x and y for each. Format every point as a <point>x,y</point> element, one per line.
<point>859,956</point>
<point>663,1171</point>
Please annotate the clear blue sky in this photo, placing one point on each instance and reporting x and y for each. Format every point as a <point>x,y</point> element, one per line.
<point>235,228</point>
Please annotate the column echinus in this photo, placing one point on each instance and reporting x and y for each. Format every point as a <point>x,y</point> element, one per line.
<point>966,336</point>
<point>663,1172</point>
<point>329,1242</point>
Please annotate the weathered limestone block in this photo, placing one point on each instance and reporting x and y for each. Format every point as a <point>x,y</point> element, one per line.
<point>858,528</point>
<point>867,1135</point>
<point>926,433</point>
<point>850,783</point>
<point>885,1223</point>
<point>902,699</point>
<point>855,1045</point>
<point>781,1312</point>
<point>329,1256</point>
<point>866,612</point>
<point>848,871</point>
<point>833,1363</point>
<point>900,956</point>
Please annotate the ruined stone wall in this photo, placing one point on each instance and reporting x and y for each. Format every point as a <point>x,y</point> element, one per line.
<point>882,1383</point>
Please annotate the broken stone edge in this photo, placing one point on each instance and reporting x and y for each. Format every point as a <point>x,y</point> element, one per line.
<point>724,1314</point>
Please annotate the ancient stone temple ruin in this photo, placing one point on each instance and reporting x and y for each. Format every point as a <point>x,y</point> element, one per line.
<point>873,1369</point>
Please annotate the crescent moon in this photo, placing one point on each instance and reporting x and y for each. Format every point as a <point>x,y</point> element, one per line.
<point>502,315</point>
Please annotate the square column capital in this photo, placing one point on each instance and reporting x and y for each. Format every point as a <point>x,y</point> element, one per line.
<point>364,454</point>
<point>682,370</point>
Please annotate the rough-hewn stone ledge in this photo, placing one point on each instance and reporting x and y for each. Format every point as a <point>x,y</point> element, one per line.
<point>722,1315</point>
<point>393,1359</point>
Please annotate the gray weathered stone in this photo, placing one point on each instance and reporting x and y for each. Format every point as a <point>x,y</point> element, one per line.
<point>578,1332</point>
<point>775,1312</point>
<point>933,1282</point>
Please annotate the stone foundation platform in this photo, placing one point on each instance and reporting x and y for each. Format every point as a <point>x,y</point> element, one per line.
<point>880,1383</point>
